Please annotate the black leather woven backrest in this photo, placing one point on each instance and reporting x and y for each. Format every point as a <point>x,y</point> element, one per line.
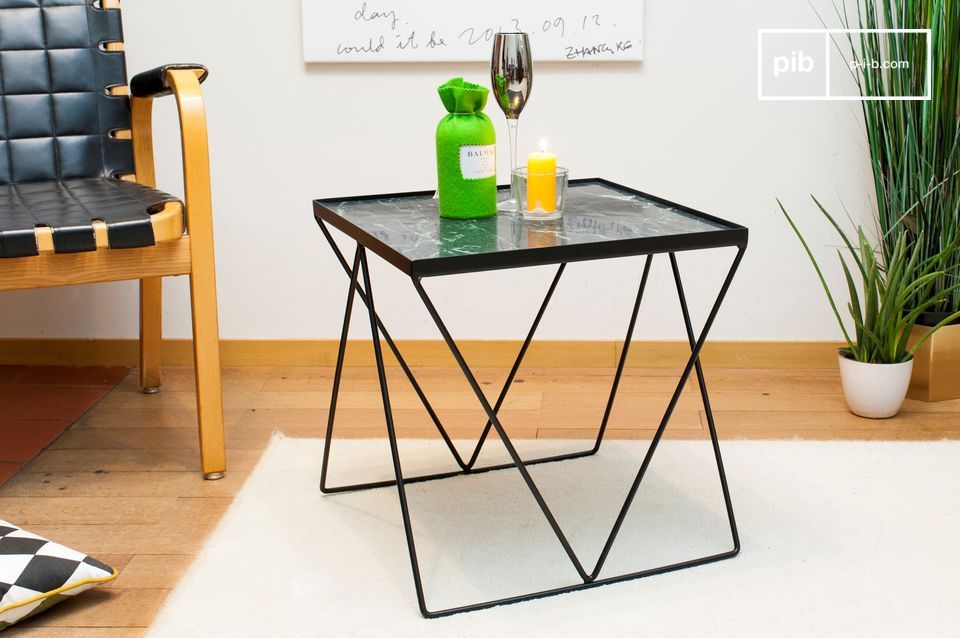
<point>55,111</point>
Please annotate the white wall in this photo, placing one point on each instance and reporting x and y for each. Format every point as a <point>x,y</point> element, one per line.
<point>685,124</point>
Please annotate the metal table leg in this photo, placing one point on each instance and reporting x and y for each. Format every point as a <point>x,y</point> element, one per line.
<point>589,578</point>
<point>469,466</point>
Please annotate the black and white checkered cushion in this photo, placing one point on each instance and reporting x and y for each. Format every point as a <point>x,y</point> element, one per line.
<point>36,574</point>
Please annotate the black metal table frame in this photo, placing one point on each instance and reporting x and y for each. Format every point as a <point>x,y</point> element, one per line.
<point>360,269</point>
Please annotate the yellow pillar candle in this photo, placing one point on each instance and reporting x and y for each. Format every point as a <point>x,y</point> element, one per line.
<point>542,181</point>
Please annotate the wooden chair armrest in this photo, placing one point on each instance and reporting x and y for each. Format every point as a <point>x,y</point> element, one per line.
<point>185,85</point>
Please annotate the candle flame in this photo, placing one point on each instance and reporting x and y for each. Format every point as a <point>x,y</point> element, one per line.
<point>543,145</point>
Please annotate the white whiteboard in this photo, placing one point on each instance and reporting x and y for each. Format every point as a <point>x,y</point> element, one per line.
<point>461,31</point>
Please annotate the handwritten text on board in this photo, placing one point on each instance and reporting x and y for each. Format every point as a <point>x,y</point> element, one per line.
<point>441,31</point>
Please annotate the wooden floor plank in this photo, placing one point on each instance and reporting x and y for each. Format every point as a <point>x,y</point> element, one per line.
<point>117,460</point>
<point>310,399</point>
<point>60,510</point>
<point>121,417</point>
<point>825,426</point>
<point>104,608</point>
<point>619,433</point>
<point>291,421</point>
<point>598,381</point>
<point>137,483</point>
<point>139,438</point>
<point>182,531</point>
<point>153,571</point>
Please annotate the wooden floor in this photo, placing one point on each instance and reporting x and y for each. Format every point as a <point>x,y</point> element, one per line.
<point>123,483</point>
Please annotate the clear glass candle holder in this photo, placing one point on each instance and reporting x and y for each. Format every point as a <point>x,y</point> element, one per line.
<point>540,196</point>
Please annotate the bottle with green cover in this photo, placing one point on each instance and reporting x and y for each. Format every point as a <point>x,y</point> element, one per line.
<point>466,153</point>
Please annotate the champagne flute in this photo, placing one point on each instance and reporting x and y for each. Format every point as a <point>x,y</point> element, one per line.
<point>511,73</point>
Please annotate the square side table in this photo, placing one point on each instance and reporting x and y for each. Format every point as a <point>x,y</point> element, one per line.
<point>602,220</point>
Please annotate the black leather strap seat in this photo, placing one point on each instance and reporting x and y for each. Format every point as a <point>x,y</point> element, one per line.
<point>69,209</point>
<point>60,155</point>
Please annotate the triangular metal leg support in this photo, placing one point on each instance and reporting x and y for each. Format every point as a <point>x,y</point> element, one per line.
<point>589,578</point>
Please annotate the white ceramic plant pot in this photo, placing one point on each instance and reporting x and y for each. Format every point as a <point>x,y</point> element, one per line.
<point>874,390</point>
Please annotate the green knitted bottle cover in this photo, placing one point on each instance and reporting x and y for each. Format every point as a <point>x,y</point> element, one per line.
<point>466,153</point>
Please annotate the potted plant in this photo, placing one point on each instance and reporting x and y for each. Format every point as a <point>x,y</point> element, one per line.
<point>915,157</point>
<point>875,366</point>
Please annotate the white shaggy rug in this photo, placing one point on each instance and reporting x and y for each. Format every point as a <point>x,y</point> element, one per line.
<point>839,539</point>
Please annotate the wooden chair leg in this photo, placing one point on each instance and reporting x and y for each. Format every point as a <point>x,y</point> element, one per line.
<point>151,333</point>
<point>203,280</point>
<point>206,351</point>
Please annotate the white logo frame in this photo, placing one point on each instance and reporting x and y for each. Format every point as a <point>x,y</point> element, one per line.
<point>828,41</point>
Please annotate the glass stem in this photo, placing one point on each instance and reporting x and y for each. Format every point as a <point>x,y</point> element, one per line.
<point>512,129</point>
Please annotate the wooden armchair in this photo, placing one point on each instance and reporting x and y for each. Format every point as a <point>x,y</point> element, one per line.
<point>78,202</point>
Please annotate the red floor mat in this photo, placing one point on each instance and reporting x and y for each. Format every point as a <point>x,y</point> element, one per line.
<point>37,403</point>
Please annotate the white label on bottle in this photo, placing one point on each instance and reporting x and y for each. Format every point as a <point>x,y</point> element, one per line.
<point>478,162</point>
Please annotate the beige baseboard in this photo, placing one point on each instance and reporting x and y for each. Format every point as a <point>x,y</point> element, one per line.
<point>543,354</point>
